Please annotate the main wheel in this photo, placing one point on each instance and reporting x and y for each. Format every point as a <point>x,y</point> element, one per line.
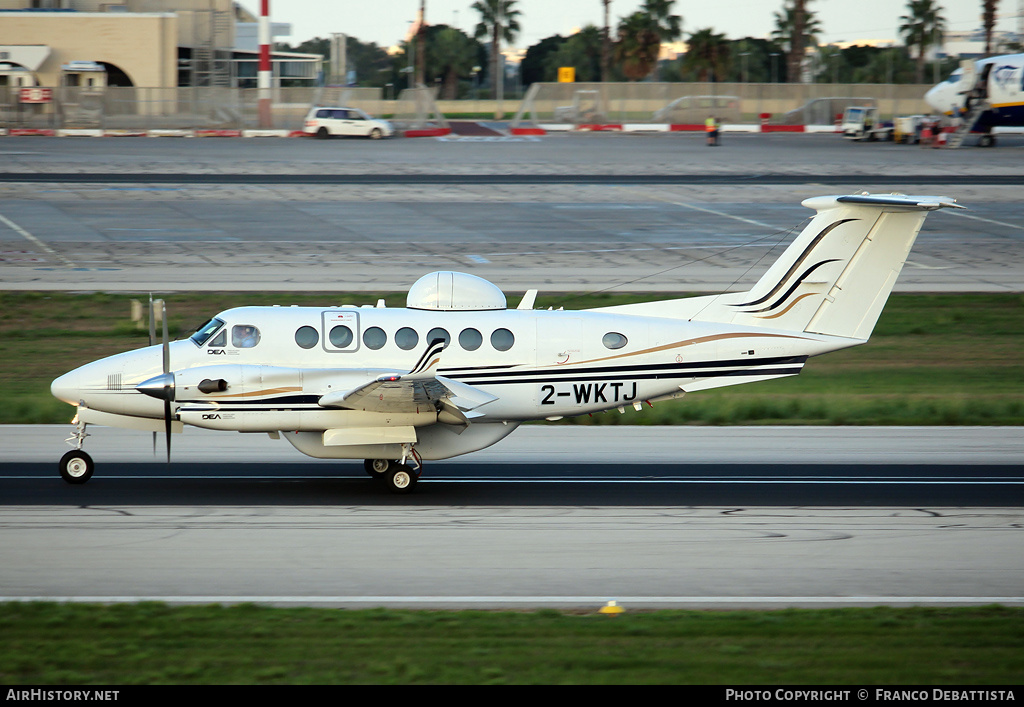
<point>76,467</point>
<point>377,467</point>
<point>322,134</point>
<point>400,479</point>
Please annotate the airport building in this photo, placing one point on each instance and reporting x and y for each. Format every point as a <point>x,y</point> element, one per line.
<point>138,43</point>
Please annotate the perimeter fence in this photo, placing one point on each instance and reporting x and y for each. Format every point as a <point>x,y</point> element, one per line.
<point>200,108</point>
<point>209,108</point>
<point>786,104</point>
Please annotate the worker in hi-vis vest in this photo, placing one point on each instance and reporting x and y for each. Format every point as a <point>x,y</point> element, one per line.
<point>711,129</point>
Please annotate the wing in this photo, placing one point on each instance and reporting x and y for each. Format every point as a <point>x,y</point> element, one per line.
<point>419,389</point>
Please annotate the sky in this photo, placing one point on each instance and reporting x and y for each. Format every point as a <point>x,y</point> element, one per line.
<point>386,21</point>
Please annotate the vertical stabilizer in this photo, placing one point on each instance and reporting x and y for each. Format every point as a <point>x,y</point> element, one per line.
<point>837,275</point>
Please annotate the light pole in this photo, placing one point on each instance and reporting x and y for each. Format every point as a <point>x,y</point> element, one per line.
<point>265,74</point>
<point>746,76</point>
<point>775,55</point>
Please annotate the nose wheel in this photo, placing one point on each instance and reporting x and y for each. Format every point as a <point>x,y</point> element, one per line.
<point>76,467</point>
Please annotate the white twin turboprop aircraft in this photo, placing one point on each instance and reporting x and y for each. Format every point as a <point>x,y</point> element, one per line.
<point>455,371</point>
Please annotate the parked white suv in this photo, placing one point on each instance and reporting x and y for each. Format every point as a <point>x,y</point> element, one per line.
<point>324,122</point>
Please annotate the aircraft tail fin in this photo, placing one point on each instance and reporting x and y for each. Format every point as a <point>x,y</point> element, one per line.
<point>836,276</point>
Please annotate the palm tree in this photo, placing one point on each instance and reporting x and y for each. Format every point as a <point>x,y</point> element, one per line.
<point>638,46</point>
<point>499,19</point>
<point>669,26</point>
<point>582,51</point>
<point>796,27</point>
<point>988,21</point>
<point>452,55</point>
<point>922,27</point>
<point>708,54</point>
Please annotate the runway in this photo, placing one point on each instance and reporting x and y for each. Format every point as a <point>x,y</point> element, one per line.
<point>242,518</point>
<point>772,179</point>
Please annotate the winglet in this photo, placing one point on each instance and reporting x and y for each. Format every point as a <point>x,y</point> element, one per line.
<point>426,367</point>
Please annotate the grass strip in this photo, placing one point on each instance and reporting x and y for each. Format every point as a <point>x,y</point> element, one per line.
<point>933,360</point>
<point>153,643</point>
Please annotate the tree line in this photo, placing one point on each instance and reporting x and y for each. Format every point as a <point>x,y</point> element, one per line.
<point>463,65</point>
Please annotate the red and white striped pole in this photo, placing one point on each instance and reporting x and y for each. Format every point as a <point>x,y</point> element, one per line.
<point>265,75</point>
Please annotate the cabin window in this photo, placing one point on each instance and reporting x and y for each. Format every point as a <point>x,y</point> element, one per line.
<point>244,336</point>
<point>502,339</point>
<point>406,338</point>
<point>205,331</point>
<point>375,338</point>
<point>340,336</point>
<point>439,333</point>
<point>470,339</point>
<point>340,331</point>
<point>614,340</point>
<point>307,337</point>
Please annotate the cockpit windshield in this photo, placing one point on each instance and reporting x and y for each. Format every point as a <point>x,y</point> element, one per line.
<point>206,331</point>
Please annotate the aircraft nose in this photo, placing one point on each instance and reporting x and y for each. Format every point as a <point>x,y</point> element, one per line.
<point>68,387</point>
<point>937,98</point>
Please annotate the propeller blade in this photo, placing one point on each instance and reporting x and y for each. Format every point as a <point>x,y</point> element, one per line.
<point>167,375</point>
<point>167,343</point>
<point>152,341</point>
<point>152,321</point>
<point>167,428</point>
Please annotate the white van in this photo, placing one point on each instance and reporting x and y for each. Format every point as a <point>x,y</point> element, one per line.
<point>324,122</point>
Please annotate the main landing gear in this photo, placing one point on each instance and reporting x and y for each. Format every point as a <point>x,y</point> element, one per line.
<point>396,476</point>
<point>76,466</point>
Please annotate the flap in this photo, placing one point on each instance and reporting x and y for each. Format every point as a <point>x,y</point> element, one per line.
<point>414,391</point>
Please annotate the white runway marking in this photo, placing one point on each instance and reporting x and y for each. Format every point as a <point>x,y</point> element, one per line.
<point>623,601</point>
<point>34,241</point>
<point>590,481</point>
<point>714,212</point>
<point>988,220</point>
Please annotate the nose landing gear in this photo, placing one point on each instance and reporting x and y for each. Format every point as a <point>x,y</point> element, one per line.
<point>76,466</point>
